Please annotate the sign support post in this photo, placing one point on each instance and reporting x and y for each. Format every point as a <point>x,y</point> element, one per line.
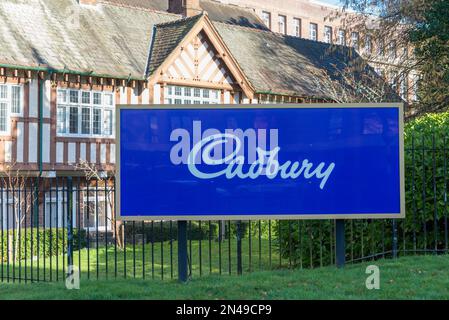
<point>395,239</point>
<point>239,247</point>
<point>182,251</point>
<point>340,243</point>
<point>70,224</point>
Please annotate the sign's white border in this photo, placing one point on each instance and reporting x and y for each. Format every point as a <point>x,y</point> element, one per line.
<point>397,215</point>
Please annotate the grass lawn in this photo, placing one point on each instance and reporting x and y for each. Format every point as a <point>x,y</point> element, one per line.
<point>151,261</point>
<point>418,277</point>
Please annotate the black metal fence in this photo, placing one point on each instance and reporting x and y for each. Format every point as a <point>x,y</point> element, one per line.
<point>50,223</point>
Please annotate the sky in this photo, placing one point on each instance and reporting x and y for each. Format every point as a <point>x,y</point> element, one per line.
<point>333,2</point>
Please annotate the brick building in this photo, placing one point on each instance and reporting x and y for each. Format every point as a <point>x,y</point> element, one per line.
<point>319,21</point>
<point>66,64</point>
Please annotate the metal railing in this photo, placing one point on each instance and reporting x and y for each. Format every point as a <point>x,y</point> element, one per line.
<point>47,224</point>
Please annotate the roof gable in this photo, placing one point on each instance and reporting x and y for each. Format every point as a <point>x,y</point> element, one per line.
<point>171,39</point>
<point>199,62</point>
<point>166,37</point>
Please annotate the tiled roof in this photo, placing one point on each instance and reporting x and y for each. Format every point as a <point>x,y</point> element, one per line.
<point>159,5</point>
<point>289,65</point>
<point>60,34</point>
<point>232,14</point>
<point>115,40</point>
<point>166,37</point>
<point>216,11</point>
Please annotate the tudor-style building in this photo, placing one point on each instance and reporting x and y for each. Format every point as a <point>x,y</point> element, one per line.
<point>66,64</point>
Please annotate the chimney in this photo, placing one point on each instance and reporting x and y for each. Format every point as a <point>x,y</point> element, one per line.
<point>187,8</point>
<point>88,2</point>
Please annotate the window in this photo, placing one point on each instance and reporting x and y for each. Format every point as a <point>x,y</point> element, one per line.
<point>392,49</point>
<point>282,21</point>
<point>200,96</point>
<point>313,31</point>
<point>56,208</point>
<point>297,27</point>
<point>368,45</point>
<point>380,48</point>
<point>378,71</point>
<point>96,123</point>
<point>403,87</point>
<point>4,117</point>
<point>16,99</point>
<point>73,120</point>
<point>85,97</point>
<point>11,103</point>
<point>10,212</point>
<point>73,96</point>
<point>197,92</point>
<point>393,80</point>
<point>97,98</point>
<point>341,37</point>
<point>85,113</point>
<point>108,122</point>
<point>61,116</point>
<point>266,18</point>
<point>85,120</point>
<point>328,34</point>
<point>96,210</point>
<point>355,40</point>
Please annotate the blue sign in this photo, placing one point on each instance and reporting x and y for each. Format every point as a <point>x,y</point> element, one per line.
<point>244,162</point>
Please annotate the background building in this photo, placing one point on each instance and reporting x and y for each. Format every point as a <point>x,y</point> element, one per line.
<point>319,21</point>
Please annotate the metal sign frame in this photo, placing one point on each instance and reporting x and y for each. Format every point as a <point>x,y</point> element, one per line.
<point>302,216</point>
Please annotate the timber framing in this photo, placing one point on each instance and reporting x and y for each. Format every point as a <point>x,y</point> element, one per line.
<point>205,25</point>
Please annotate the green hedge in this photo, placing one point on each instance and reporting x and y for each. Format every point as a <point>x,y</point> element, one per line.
<point>194,231</point>
<point>153,232</point>
<point>51,241</point>
<point>426,181</point>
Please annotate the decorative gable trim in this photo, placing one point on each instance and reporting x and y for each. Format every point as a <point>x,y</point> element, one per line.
<point>204,27</point>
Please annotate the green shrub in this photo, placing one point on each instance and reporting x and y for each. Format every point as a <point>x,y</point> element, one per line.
<point>34,242</point>
<point>194,231</point>
<point>153,232</point>
<point>426,180</point>
<point>257,227</point>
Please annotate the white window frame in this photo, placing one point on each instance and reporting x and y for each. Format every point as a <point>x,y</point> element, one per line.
<point>341,37</point>
<point>282,24</point>
<point>380,48</point>
<point>393,80</point>
<point>80,105</point>
<point>313,32</point>
<point>8,215</point>
<point>355,40</point>
<point>403,87</point>
<point>95,199</point>
<point>297,27</point>
<point>61,201</point>
<point>392,50</point>
<point>174,96</point>
<point>8,101</point>
<point>378,70</point>
<point>328,34</point>
<point>368,44</point>
<point>266,18</point>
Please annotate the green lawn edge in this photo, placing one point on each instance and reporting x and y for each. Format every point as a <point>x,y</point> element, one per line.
<point>415,277</point>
